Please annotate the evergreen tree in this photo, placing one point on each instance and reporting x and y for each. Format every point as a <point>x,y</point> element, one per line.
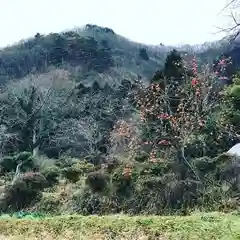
<point>173,67</point>
<point>143,54</point>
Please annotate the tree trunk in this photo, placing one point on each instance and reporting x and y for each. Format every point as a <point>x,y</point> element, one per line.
<point>17,173</point>
<point>35,150</point>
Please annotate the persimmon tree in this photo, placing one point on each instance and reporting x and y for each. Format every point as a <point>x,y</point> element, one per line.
<point>175,112</point>
<point>179,114</point>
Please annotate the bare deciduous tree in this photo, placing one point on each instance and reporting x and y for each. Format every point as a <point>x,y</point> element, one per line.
<point>30,106</point>
<point>232,11</point>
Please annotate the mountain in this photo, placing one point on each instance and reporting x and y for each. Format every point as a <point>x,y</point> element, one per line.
<point>91,53</point>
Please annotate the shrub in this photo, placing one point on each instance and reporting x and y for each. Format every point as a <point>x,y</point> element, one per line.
<point>228,169</point>
<point>51,174</point>
<point>43,163</point>
<point>84,166</point>
<point>235,91</point>
<point>123,179</point>
<point>9,163</point>
<point>162,195</point>
<point>215,196</point>
<point>73,172</point>
<point>34,180</point>
<point>159,169</point>
<point>49,203</point>
<point>87,203</point>
<point>97,181</point>
<point>23,192</point>
<point>141,156</point>
<point>66,161</point>
<point>204,165</point>
<point>111,164</point>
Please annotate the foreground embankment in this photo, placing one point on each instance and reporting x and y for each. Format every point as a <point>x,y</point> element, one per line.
<point>198,226</point>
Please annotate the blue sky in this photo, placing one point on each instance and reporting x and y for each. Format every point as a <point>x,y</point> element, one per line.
<point>146,21</point>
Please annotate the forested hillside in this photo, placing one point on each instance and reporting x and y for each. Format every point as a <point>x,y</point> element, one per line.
<point>93,53</point>
<point>93,123</point>
<point>89,53</point>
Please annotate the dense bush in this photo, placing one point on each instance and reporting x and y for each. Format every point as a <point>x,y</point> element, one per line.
<point>77,169</point>
<point>141,156</point>
<point>87,203</point>
<point>49,203</point>
<point>231,115</point>
<point>97,181</point>
<point>9,163</point>
<point>156,189</point>
<point>51,175</point>
<point>24,191</point>
<point>72,173</point>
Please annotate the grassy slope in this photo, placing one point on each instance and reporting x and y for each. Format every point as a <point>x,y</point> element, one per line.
<point>199,226</point>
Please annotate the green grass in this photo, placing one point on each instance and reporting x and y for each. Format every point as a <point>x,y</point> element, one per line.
<point>198,226</point>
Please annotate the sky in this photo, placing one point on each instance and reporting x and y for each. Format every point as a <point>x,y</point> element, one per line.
<point>171,22</point>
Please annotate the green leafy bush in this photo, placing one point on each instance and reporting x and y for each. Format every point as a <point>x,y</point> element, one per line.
<point>51,174</point>
<point>141,156</point>
<point>87,202</point>
<point>123,181</point>
<point>235,91</point>
<point>49,203</point>
<point>9,163</point>
<point>73,172</point>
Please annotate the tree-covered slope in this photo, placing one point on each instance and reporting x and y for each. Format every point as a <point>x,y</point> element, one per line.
<point>91,52</point>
